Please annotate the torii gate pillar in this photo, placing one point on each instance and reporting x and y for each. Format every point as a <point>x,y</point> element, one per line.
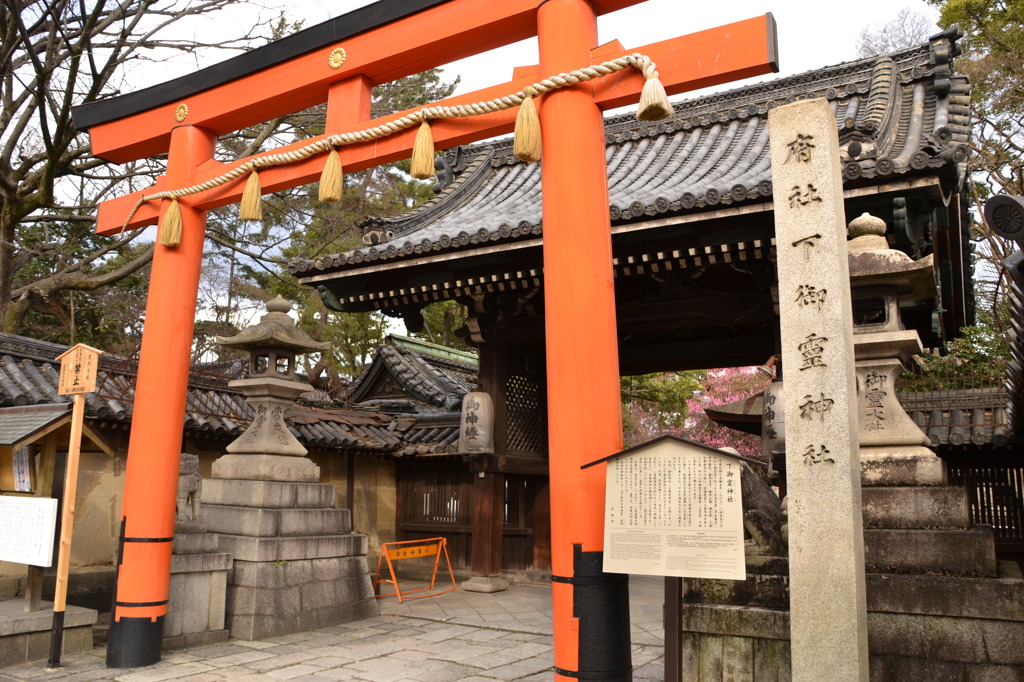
<point>591,608</point>
<point>158,421</point>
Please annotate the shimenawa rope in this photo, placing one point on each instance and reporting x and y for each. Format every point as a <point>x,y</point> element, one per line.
<point>654,105</point>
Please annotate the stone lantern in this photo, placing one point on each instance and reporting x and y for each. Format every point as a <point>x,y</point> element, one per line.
<point>891,443</point>
<point>267,450</point>
<point>892,446</point>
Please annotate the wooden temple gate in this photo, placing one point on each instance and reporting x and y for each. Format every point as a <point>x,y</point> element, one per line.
<point>338,63</point>
<point>439,500</point>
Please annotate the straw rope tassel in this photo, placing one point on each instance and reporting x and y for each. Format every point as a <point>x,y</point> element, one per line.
<point>251,207</point>
<point>654,104</point>
<point>330,179</point>
<point>170,230</point>
<point>527,144</point>
<point>423,153</point>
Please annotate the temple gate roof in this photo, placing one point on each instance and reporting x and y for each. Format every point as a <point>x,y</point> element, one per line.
<point>903,121</point>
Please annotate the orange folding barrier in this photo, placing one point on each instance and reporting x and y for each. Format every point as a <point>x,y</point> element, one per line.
<point>413,549</point>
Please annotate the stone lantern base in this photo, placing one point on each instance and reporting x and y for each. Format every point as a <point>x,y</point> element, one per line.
<point>297,564</point>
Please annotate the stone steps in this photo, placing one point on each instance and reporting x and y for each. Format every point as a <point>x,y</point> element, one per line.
<point>930,552</point>
<point>1001,598</point>
<point>918,507</point>
<point>902,646</point>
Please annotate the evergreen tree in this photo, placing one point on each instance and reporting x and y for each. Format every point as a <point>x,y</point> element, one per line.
<point>993,58</point>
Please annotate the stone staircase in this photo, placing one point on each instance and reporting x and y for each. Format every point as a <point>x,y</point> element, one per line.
<point>940,606</point>
<point>297,564</point>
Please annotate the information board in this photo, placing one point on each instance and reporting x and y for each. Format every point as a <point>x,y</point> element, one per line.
<point>22,471</point>
<point>28,525</point>
<point>674,508</point>
<point>78,366</point>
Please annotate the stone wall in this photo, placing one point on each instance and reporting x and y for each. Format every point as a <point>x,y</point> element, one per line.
<point>97,522</point>
<point>374,510</point>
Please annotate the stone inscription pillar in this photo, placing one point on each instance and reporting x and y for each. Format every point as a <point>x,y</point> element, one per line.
<point>828,610</point>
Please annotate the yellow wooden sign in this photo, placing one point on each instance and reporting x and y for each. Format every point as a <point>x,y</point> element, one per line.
<point>78,370</point>
<point>391,552</point>
<point>412,552</point>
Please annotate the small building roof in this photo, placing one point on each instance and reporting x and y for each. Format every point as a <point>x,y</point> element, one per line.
<point>29,377</point>
<point>411,376</point>
<point>20,424</point>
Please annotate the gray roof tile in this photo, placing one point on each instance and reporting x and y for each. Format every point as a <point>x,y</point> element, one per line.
<point>29,400</point>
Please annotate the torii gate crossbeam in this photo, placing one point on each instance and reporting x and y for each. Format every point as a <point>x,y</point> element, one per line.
<point>583,391</point>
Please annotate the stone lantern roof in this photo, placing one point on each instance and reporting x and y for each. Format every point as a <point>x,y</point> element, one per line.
<point>275,329</point>
<point>873,262</point>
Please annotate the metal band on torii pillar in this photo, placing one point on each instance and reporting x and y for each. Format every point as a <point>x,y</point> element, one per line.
<point>150,486</point>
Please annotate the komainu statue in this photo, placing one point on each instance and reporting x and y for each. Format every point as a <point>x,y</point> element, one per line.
<point>190,486</point>
<point>762,514</point>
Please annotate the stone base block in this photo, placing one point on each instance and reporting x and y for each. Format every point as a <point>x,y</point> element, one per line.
<point>968,553</point>
<point>268,494</point>
<point>251,627</point>
<point>196,599</point>
<point>487,584</point>
<point>196,639</point>
<point>253,521</point>
<point>193,543</point>
<point>291,596</point>
<point>189,526</point>
<point>9,587</point>
<point>26,636</point>
<point>766,586</point>
<point>918,507</point>
<point>265,468</point>
<point>908,466</point>
<point>287,549</point>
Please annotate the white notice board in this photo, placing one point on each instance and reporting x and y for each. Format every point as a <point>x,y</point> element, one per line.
<point>28,525</point>
<point>674,508</point>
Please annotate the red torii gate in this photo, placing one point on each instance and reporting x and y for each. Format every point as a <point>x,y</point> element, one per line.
<point>382,42</point>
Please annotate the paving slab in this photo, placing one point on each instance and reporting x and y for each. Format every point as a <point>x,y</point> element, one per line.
<point>465,636</point>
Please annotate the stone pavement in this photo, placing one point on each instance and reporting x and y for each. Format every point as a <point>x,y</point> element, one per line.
<point>455,636</point>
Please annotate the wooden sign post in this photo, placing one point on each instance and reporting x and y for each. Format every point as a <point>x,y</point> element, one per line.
<point>78,367</point>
